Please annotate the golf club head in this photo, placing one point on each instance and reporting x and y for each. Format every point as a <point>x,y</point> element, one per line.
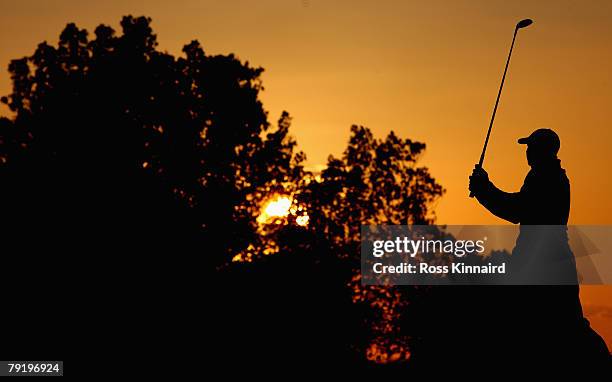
<point>524,23</point>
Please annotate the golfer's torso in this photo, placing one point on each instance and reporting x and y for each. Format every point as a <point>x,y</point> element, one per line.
<point>543,245</point>
<point>545,198</point>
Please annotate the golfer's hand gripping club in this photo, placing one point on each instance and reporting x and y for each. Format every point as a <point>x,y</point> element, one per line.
<point>479,180</point>
<point>476,167</point>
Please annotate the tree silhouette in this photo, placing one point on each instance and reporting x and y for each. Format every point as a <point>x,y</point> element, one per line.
<point>160,166</point>
<point>374,182</point>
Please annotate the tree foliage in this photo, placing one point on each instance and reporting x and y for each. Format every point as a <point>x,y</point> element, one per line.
<point>175,156</point>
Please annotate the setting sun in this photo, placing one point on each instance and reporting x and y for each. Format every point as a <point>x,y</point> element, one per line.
<point>279,207</point>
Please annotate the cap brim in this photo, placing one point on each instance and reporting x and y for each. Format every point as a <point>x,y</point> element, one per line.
<point>524,141</point>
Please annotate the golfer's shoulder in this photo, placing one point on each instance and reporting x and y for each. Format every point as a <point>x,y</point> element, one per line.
<point>545,180</point>
<point>559,177</point>
<point>532,178</point>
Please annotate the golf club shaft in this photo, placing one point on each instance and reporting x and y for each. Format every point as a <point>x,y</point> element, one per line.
<point>484,149</point>
<point>501,86</point>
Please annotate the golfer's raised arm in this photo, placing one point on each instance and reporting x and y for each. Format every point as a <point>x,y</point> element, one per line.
<point>505,205</point>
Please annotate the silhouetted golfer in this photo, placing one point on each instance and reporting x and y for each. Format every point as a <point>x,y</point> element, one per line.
<point>540,321</point>
<point>545,195</point>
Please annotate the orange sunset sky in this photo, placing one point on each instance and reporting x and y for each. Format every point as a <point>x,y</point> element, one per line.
<point>429,70</point>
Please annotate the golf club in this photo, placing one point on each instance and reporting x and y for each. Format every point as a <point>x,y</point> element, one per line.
<point>519,25</point>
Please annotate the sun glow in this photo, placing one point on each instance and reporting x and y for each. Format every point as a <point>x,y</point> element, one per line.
<point>302,220</point>
<point>279,208</point>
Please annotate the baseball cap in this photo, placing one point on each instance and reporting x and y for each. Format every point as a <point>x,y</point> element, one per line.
<point>543,138</point>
